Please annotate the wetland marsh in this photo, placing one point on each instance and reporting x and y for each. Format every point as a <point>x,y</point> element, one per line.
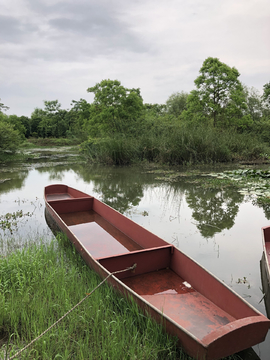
<point>214,214</point>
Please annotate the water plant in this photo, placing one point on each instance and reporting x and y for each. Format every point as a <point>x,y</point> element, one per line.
<point>9,221</point>
<point>250,182</point>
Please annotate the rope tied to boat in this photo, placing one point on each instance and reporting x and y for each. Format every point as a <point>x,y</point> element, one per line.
<point>74,307</point>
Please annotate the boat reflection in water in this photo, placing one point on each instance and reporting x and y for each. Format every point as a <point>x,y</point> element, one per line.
<point>210,320</point>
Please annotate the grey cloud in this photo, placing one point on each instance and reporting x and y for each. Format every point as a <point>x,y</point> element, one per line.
<point>105,35</point>
<point>84,29</point>
<point>13,30</point>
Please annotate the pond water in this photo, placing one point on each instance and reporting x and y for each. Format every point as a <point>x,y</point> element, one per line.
<point>220,229</point>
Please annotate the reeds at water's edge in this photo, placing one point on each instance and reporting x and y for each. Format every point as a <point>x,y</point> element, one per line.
<point>176,146</point>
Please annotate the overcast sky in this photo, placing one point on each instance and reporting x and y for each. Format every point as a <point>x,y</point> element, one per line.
<point>56,49</point>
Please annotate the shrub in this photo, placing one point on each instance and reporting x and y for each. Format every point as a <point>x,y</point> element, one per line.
<point>10,139</point>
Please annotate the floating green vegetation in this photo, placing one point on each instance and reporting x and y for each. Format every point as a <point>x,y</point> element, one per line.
<point>242,174</point>
<point>10,221</point>
<point>243,281</point>
<point>252,173</point>
<point>250,182</point>
<point>171,175</point>
<point>253,184</point>
<point>211,183</point>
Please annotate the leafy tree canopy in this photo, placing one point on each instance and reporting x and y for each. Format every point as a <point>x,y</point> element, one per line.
<point>115,108</point>
<point>9,137</point>
<point>176,103</point>
<point>254,103</point>
<point>17,124</point>
<point>157,109</point>
<point>219,96</point>
<point>51,107</point>
<point>50,121</point>
<point>80,106</point>
<point>266,93</point>
<point>3,107</point>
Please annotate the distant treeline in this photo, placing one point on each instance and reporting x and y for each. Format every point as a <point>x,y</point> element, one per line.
<point>221,120</point>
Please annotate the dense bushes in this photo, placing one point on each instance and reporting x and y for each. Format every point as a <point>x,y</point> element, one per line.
<point>9,138</point>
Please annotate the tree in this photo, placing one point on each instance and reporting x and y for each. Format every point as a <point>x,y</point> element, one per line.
<point>176,103</point>
<point>55,119</point>
<point>115,109</point>
<point>17,124</point>
<point>219,96</point>
<point>51,107</point>
<point>10,139</point>
<point>36,119</point>
<point>254,103</point>
<point>79,116</point>
<point>26,122</point>
<point>3,107</point>
<point>266,94</point>
<point>157,109</point>
<point>52,121</point>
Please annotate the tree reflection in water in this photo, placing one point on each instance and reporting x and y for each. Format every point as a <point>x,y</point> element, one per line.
<point>213,210</point>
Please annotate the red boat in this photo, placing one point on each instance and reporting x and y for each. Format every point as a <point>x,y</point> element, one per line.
<point>265,268</point>
<point>210,320</point>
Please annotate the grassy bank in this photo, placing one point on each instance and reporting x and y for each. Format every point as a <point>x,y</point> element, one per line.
<point>42,282</point>
<point>8,157</point>
<point>34,143</point>
<point>44,142</point>
<point>177,145</point>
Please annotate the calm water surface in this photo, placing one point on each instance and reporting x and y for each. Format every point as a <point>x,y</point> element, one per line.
<point>219,229</point>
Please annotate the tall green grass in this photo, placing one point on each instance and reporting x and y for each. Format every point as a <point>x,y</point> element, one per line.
<point>42,282</point>
<point>176,145</point>
<point>116,150</point>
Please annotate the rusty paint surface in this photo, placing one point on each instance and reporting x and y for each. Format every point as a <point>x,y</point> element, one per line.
<point>97,235</point>
<point>177,299</point>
